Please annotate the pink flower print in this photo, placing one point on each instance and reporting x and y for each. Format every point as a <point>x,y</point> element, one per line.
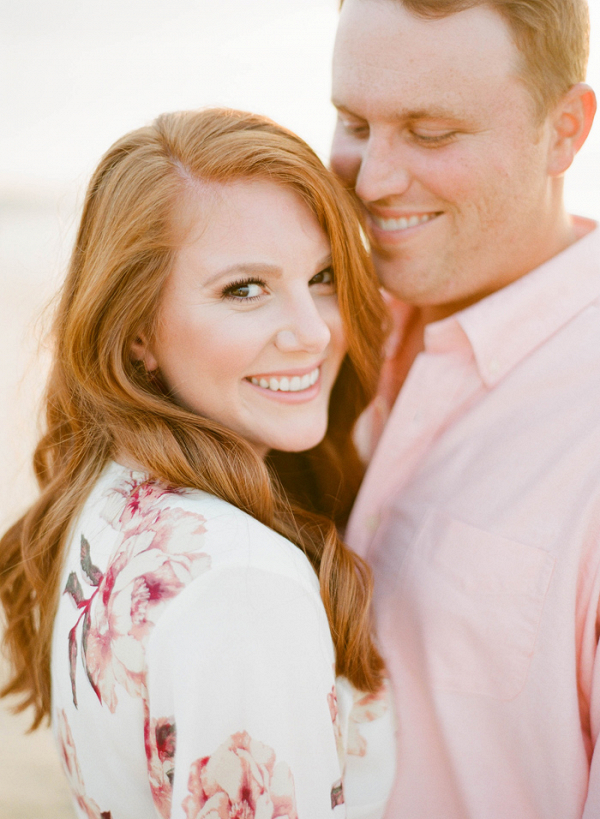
<point>367,709</point>
<point>337,730</point>
<point>141,578</point>
<point>136,591</point>
<point>137,501</point>
<point>332,702</point>
<point>142,510</point>
<point>337,790</point>
<point>68,755</point>
<point>337,794</point>
<point>159,741</point>
<point>241,780</point>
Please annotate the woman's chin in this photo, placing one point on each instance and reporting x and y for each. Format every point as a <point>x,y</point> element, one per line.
<point>294,440</point>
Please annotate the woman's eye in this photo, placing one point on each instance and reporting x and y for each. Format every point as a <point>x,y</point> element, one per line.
<point>245,291</point>
<point>323,277</point>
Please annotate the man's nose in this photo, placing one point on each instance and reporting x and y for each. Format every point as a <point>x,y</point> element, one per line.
<point>384,170</point>
<point>303,328</point>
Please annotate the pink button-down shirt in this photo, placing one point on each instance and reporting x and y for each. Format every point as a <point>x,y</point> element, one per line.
<point>480,514</point>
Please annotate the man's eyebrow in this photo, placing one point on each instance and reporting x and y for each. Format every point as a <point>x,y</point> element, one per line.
<point>428,113</point>
<point>408,115</point>
<point>342,108</point>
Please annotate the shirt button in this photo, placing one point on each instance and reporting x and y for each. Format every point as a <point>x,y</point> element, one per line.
<point>494,367</point>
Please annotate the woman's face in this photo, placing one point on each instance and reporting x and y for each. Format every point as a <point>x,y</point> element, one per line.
<point>249,332</point>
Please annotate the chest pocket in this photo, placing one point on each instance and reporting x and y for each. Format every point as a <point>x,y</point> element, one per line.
<point>475,602</point>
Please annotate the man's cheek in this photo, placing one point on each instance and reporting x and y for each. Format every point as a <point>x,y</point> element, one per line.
<point>345,162</point>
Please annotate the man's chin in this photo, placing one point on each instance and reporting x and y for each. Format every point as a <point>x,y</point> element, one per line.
<point>395,276</point>
<point>407,285</point>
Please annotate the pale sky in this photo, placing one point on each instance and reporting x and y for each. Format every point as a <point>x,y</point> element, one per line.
<point>77,74</point>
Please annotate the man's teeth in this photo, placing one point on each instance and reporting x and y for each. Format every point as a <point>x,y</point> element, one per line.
<point>296,383</point>
<point>403,222</point>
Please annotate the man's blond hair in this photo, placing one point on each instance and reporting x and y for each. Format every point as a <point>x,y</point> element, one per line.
<point>552,37</point>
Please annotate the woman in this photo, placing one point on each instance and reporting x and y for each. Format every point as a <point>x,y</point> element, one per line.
<point>161,588</point>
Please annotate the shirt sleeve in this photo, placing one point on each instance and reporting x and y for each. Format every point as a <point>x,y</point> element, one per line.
<point>238,715</point>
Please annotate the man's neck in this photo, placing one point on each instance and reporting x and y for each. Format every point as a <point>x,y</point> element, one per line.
<point>564,231</point>
<point>570,230</point>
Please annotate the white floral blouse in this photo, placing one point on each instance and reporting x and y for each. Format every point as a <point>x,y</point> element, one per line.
<point>192,669</point>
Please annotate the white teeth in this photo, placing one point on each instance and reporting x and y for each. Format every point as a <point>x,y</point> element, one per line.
<point>402,222</point>
<point>295,383</point>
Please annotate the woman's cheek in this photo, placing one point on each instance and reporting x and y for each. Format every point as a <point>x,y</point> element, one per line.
<point>332,316</point>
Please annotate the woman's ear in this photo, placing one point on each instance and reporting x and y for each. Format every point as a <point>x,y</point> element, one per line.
<point>571,121</point>
<point>141,351</point>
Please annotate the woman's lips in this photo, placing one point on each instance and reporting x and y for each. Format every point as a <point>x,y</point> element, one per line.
<point>288,387</point>
<point>286,383</point>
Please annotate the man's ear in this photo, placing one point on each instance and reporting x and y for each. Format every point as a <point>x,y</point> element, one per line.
<point>571,122</point>
<point>141,351</point>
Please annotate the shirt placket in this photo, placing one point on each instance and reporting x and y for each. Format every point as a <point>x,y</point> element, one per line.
<point>438,386</point>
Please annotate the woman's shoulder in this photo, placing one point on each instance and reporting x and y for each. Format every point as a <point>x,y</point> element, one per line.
<point>146,560</point>
<point>128,509</point>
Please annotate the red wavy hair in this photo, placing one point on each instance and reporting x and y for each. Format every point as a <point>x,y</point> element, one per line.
<point>99,402</point>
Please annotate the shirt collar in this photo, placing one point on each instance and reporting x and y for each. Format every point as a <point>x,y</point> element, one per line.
<point>503,328</point>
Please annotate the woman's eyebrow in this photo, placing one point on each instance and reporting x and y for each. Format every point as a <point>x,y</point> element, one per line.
<point>245,269</point>
<point>324,262</point>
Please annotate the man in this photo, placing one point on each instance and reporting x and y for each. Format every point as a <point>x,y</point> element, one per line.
<point>480,510</point>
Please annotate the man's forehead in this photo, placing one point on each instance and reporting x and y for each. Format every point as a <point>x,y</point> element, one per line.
<point>379,42</point>
<point>376,93</point>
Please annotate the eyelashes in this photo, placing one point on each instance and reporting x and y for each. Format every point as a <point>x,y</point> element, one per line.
<point>250,289</point>
<point>324,277</point>
<point>235,290</point>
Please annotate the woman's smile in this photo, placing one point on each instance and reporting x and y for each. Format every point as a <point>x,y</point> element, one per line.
<point>299,382</point>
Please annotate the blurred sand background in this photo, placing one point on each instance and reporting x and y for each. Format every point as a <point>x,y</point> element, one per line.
<point>73,77</point>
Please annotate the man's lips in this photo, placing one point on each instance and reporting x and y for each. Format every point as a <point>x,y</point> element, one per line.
<point>394,223</point>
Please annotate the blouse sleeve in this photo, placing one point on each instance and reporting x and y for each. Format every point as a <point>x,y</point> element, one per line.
<point>239,718</point>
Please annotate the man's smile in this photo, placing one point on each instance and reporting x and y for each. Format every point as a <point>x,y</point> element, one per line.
<point>402,222</point>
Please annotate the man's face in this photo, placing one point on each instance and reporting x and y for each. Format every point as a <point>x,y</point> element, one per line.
<point>438,136</point>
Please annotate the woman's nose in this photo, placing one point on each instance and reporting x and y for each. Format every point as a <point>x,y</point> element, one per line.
<point>304,330</point>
